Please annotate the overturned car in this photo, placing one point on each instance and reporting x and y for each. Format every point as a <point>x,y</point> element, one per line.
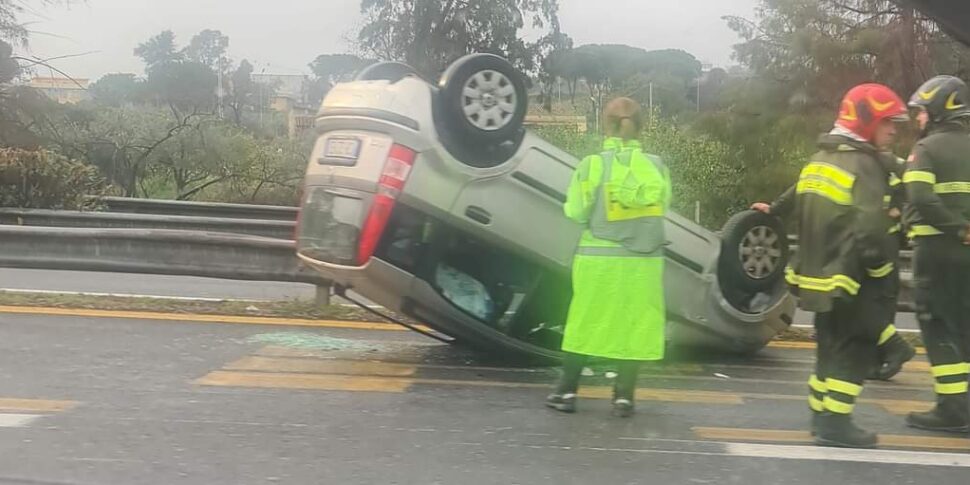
<point>433,201</point>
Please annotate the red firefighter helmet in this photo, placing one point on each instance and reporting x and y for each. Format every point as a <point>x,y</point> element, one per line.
<point>866,105</point>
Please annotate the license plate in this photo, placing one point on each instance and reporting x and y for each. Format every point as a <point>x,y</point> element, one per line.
<point>341,151</point>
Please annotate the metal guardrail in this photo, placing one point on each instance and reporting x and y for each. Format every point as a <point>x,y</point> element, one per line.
<point>154,251</point>
<point>278,229</point>
<point>199,209</point>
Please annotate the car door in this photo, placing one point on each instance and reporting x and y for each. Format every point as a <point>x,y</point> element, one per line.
<point>521,208</point>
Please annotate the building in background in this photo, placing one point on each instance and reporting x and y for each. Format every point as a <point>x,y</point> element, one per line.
<point>62,89</point>
<point>287,94</point>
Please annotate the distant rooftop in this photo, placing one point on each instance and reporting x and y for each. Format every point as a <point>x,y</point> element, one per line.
<point>59,83</point>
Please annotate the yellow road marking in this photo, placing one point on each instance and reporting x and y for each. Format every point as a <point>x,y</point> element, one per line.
<point>786,344</point>
<point>399,378</point>
<point>917,366</point>
<point>35,405</point>
<point>319,382</point>
<point>396,378</point>
<point>321,366</point>
<point>200,318</point>
<point>791,436</point>
<point>668,395</point>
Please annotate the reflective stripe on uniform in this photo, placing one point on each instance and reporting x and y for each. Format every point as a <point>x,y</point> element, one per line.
<point>817,385</point>
<point>816,404</point>
<point>895,228</point>
<point>838,176</point>
<point>847,388</point>
<point>828,181</point>
<point>923,230</point>
<point>832,283</point>
<point>952,188</point>
<point>837,407</point>
<point>881,271</point>
<point>894,180</point>
<point>824,189</point>
<point>950,369</point>
<point>919,176</point>
<point>887,334</point>
<point>954,388</point>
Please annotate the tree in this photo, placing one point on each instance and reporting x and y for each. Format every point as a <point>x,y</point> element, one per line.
<point>334,68</point>
<point>429,34</point>
<point>243,91</point>
<point>184,86</point>
<point>816,50</point>
<point>614,69</point>
<point>9,67</point>
<point>159,50</point>
<point>330,69</point>
<point>209,48</point>
<point>117,89</point>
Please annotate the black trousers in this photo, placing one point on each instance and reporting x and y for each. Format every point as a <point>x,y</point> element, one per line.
<point>626,378</point>
<point>942,273</point>
<point>847,345</point>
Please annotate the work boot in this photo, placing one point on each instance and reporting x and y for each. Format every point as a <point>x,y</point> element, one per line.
<point>950,415</point>
<point>839,431</point>
<point>564,403</point>
<point>814,425</point>
<point>623,408</point>
<point>895,352</point>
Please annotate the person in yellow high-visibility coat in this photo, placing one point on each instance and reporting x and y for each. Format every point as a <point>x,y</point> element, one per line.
<point>617,311</point>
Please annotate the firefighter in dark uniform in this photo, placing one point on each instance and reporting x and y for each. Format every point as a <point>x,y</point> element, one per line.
<point>842,267</point>
<point>893,350</point>
<point>937,182</point>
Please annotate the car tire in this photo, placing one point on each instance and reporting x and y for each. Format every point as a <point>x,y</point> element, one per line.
<point>387,71</point>
<point>754,252</point>
<point>484,98</point>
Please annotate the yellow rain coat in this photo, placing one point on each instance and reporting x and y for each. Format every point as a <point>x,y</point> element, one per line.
<point>617,310</point>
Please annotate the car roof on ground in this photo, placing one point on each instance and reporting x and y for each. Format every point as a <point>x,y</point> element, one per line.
<point>952,15</point>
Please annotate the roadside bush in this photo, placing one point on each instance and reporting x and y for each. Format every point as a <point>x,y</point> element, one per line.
<point>45,180</point>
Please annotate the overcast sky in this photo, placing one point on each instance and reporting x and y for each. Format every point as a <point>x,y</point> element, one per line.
<point>283,36</point>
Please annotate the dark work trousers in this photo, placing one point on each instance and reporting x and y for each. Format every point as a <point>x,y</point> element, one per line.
<point>847,340</point>
<point>942,273</point>
<point>886,326</point>
<point>626,378</point>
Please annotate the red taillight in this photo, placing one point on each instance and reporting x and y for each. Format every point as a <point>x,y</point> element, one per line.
<point>396,172</point>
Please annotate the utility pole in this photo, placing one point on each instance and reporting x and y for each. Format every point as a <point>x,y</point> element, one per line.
<point>220,92</point>
<point>651,96</point>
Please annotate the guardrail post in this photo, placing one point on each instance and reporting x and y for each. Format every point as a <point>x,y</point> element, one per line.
<point>323,294</point>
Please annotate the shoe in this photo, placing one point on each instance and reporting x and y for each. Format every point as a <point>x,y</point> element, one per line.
<point>623,408</point>
<point>897,353</point>
<point>950,415</point>
<point>839,431</point>
<point>564,403</point>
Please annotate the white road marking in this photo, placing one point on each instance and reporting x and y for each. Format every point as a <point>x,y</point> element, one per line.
<point>784,452</point>
<point>23,291</point>
<point>119,295</point>
<point>794,452</point>
<point>12,420</point>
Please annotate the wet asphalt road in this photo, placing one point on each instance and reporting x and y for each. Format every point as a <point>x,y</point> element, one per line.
<point>93,400</point>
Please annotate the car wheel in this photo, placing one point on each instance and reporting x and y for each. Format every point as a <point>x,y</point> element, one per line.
<point>485,98</point>
<point>754,251</point>
<point>387,71</point>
